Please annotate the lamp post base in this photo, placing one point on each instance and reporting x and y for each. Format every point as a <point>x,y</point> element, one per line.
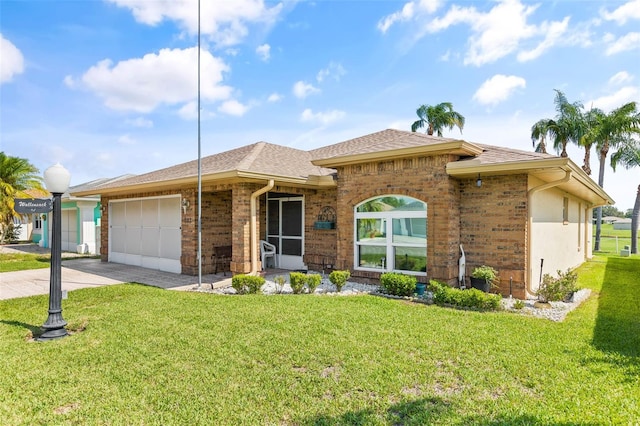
<point>52,334</point>
<point>54,326</point>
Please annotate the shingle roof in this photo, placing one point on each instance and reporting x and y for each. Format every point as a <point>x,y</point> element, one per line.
<point>259,158</point>
<point>498,154</point>
<point>385,140</point>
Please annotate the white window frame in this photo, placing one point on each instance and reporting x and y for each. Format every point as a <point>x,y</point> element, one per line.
<point>387,218</point>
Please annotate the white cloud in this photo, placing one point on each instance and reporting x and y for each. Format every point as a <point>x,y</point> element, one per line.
<point>70,82</point>
<point>233,107</point>
<point>333,70</point>
<point>498,89</point>
<point>275,97</point>
<point>502,31</point>
<point>140,122</point>
<point>323,118</point>
<point>553,31</point>
<point>169,77</point>
<point>628,41</point>
<point>126,140</point>
<point>301,89</point>
<point>408,12</point>
<point>189,111</point>
<point>12,60</point>
<point>621,77</point>
<point>224,22</point>
<point>264,52</point>
<point>628,11</point>
<point>617,99</point>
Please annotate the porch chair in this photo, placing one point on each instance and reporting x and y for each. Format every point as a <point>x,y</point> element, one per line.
<point>268,250</point>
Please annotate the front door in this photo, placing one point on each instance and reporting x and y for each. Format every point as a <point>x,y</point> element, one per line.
<point>285,229</point>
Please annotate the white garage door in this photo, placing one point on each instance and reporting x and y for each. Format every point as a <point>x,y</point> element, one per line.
<point>69,238</point>
<point>146,232</point>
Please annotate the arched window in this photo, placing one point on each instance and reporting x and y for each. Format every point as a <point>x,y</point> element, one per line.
<point>391,234</point>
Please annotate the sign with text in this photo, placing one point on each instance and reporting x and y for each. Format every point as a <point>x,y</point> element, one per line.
<point>33,205</point>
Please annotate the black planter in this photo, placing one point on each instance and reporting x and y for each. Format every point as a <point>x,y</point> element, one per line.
<point>481,284</point>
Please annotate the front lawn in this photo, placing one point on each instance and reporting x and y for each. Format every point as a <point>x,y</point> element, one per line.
<point>152,356</point>
<point>23,261</point>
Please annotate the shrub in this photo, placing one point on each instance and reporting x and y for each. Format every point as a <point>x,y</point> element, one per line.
<point>247,284</point>
<point>297,280</point>
<point>472,298</point>
<point>398,284</point>
<point>313,281</point>
<point>518,304</point>
<point>486,273</point>
<point>279,282</point>
<point>339,279</point>
<point>555,289</point>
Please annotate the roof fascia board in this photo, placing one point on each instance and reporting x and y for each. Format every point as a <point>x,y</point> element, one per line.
<point>236,175</point>
<point>457,147</point>
<point>472,168</point>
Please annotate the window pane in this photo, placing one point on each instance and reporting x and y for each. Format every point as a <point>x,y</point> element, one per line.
<point>392,203</point>
<point>410,231</point>
<point>372,230</point>
<point>274,214</point>
<point>291,247</point>
<point>372,256</point>
<point>292,218</point>
<point>411,259</point>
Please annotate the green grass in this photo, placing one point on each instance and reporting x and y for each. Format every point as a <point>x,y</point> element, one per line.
<point>612,240</point>
<point>151,356</point>
<point>23,261</point>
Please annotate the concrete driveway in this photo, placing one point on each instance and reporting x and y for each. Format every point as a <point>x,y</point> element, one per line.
<point>87,272</point>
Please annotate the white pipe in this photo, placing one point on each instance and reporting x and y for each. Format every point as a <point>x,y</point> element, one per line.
<point>530,193</point>
<point>254,230</point>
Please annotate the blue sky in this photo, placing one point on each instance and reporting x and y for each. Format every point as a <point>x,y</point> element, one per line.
<point>109,87</point>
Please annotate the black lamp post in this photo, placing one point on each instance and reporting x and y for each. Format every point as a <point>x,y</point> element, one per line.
<point>56,179</point>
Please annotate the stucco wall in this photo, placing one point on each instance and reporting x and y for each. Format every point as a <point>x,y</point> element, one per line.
<point>562,244</point>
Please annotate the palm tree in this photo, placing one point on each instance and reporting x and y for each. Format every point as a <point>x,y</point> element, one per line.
<point>629,156</point>
<point>586,139</point>
<point>539,131</point>
<point>435,118</point>
<point>16,176</point>
<point>564,128</point>
<point>611,130</point>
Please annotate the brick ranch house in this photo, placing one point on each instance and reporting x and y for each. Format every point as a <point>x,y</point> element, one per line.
<point>387,201</point>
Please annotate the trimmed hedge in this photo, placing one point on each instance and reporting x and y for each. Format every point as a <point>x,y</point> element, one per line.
<point>472,298</point>
<point>339,279</point>
<point>398,284</point>
<point>247,284</point>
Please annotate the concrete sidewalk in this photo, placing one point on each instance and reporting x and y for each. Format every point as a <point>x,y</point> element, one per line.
<point>87,272</point>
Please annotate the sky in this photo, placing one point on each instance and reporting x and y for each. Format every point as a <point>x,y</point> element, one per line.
<point>109,87</point>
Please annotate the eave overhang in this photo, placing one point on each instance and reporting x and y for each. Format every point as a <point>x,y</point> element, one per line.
<point>457,147</point>
<point>233,176</point>
<point>547,170</point>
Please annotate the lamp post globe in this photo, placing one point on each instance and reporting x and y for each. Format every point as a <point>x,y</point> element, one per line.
<point>56,179</point>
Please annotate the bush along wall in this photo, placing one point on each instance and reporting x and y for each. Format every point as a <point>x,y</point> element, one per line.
<point>443,295</point>
<point>398,284</point>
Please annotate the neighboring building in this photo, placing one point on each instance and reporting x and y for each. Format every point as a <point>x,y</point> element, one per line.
<point>623,224</point>
<point>80,220</point>
<point>399,201</point>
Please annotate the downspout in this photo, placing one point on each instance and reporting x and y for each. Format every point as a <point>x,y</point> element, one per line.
<point>530,214</point>
<point>254,229</point>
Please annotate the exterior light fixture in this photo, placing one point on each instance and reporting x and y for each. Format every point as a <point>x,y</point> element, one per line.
<point>185,205</point>
<point>479,181</point>
<point>56,179</point>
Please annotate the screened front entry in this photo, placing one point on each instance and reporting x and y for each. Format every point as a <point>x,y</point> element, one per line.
<point>391,235</point>
<point>285,226</point>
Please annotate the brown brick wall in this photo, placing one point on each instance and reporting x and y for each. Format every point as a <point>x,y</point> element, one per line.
<point>493,227</point>
<point>423,178</point>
